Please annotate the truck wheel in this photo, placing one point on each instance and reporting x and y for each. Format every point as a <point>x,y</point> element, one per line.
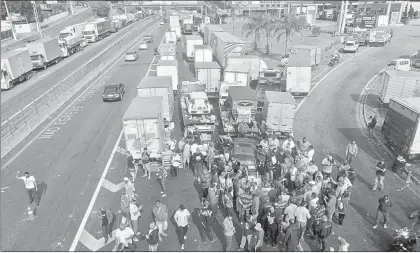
<point>45,66</point>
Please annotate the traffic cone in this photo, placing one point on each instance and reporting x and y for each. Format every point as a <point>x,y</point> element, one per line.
<point>31,215</point>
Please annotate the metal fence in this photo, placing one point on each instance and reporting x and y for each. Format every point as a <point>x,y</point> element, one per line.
<point>20,118</point>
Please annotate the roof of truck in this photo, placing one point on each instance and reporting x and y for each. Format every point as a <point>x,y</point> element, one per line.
<point>299,60</point>
<point>238,68</point>
<point>136,109</point>
<point>196,47</point>
<point>155,82</point>
<point>7,54</point>
<point>214,28</point>
<point>412,103</point>
<point>228,37</point>
<point>242,93</point>
<point>193,37</point>
<point>207,65</point>
<point>198,95</point>
<point>280,97</point>
<point>167,63</point>
<point>404,74</point>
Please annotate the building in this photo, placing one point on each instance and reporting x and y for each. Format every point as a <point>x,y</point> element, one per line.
<point>274,7</point>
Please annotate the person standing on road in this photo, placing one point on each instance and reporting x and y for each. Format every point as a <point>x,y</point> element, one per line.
<point>205,214</point>
<point>246,234</point>
<point>291,237</point>
<point>106,221</point>
<point>205,181</point>
<point>351,151</point>
<point>272,229</point>
<point>181,218</point>
<point>186,155</point>
<point>380,175</point>
<point>371,125</point>
<point>302,216</point>
<point>328,163</point>
<point>125,204</point>
<point>131,167</point>
<point>160,213</point>
<point>145,159</point>
<point>124,238</point>
<point>135,213</point>
<point>383,211</point>
<point>229,231</point>
<point>341,210</point>
<point>31,186</point>
<point>153,237</point>
<point>129,188</point>
<point>324,231</point>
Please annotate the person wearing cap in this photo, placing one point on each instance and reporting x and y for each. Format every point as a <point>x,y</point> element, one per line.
<point>160,214</point>
<point>135,214</point>
<point>383,211</point>
<point>207,221</point>
<point>229,231</point>
<point>351,151</point>
<point>145,160</point>
<point>328,163</point>
<point>323,233</point>
<point>271,229</point>
<point>380,175</point>
<point>291,237</point>
<point>106,221</point>
<point>129,188</point>
<point>181,218</point>
<point>153,237</point>
<point>124,238</point>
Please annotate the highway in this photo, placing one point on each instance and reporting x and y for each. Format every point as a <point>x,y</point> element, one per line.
<point>331,117</point>
<point>23,94</point>
<point>68,164</point>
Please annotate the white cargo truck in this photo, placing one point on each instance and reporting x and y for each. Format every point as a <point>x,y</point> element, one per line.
<point>399,84</point>
<point>191,41</point>
<point>151,86</point>
<point>203,53</point>
<point>255,63</point>
<point>312,52</point>
<point>209,30</point>
<point>299,72</point>
<point>44,52</point>
<point>169,68</point>
<point>70,45</point>
<point>73,30</point>
<point>237,73</point>
<point>97,30</point>
<point>144,128</point>
<point>167,51</point>
<point>170,37</point>
<point>279,112</point>
<point>209,73</point>
<point>177,30</point>
<point>16,66</point>
<point>174,21</point>
<point>226,45</point>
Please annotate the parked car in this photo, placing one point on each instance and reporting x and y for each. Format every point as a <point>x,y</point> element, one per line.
<point>113,92</point>
<point>148,38</point>
<point>143,45</point>
<point>162,23</point>
<point>131,56</point>
<point>351,46</point>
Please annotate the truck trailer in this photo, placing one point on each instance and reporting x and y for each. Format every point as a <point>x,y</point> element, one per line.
<point>169,68</point>
<point>97,30</point>
<point>226,45</point>
<point>44,52</point>
<point>167,51</point>
<point>203,53</point>
<point>191,41</point>
<point>209,73</point>
<point>255,63</point>
<point>73,30</point>
<point>399,84</point>
<point>16,66</point>
<point>278,113</point>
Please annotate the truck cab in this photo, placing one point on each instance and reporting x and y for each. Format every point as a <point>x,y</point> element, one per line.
<point>270,76</point>
<point>38,61</point>
<point>401,64</point>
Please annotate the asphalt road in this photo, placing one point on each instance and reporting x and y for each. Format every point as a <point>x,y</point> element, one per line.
<point>68,164</point>
<point>23,94</point>
<point>81,15</point>
<point>331,117</point>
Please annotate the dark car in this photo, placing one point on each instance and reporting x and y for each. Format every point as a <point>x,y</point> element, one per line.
<point>148,38</point>
<point>113,92</point>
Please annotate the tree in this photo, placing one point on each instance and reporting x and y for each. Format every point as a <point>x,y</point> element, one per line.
<point>287,26</point>
<point>254,26</point>
<point>100,8</point>
<point>268,27</point>
<point>24,8</point>
<point>411,11</point>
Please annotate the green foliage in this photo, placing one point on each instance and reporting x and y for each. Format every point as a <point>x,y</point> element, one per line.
<point>411,11</point>
<point>316,31</point>
<point>100,9</point>
<point>24,8</point>
<point>287,26</point>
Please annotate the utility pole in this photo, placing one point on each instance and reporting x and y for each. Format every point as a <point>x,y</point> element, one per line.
<point>340,18</point>
<point>365,5</point>
<point>343,21</point>
<point>125,10</point>
<point>249,8</point>
<point>388,10</point>
<point>10,20</point>
<point>37,19</point>
<point>71,7</point>
<point>401,12</point>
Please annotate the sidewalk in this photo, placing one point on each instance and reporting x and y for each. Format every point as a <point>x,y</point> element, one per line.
<point>373,106</point>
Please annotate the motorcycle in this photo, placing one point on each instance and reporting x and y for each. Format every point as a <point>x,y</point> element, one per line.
<point>415,214</point>
<point>333,62</point>
<point>405,240</point>
<point>155,51</point>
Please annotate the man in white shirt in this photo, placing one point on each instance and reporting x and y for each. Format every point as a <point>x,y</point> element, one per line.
<point>302,216</point>
<point>123,238</point>
<point>31,186</point>
<point>288,144</point>
<point>273,142</point>
<point>129,188</point>
<point>135,213</point>
<point>181,218</point>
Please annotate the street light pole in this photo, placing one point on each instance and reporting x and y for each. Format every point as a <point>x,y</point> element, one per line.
<point>71,7</point>
<point>36,19</point>
<point>10,20</point>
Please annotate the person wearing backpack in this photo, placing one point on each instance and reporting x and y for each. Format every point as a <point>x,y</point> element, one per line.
<point>145,159</point>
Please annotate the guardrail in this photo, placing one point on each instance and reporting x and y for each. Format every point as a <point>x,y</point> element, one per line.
<point>21,118</point>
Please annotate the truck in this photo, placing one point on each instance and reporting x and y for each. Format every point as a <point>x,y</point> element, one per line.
<point>223,91</point>
<point>197,20</point>
<point>169,68</point>
<point>73,30</point>
<point>401,127</point>
<point>16,66</point>
<point>226,45</point>
<point>270,77</point>
<point>239,107</point>
<point>144,128</point>
<point>196,109</point>
<point>255,63</point>
<point>187,28</point>
<point>70,45</point>
<point>382,20</point>
<point>170,37</point>
<point>362,37</point>
<point>177,31</point>
<point>379,36</point>
<point>299,73</point>
<point>312,52</point>
<point>237,73</point>
<point>116,25</point>
<point>44,52</point>
<point>151,86</point>
<point>209,30</point>
<point>209,73</point>
<point>167,51</point>
<point>278,113</point>
<point>121,19</point>
<point>174,21</point>
<point>97,30</point>
<point>203,53</point>
<point>399,84</point>
<point>191,41</point>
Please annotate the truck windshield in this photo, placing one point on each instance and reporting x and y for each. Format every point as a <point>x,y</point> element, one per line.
<point>35,57</point>
<point>64,35</point>
<point>270,74</point>
<point>88,32</point>
<point>349,44</point>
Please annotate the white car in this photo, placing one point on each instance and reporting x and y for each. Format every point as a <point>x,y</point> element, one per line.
<point>162,23</point>
<point>143,45</point>
<point>351,46</point>
<point>284,60</point>
<point>131,56</point>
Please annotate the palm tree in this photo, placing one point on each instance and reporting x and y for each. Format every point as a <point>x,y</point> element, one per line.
<point>254,26</point>
<point>287,26</point>
<point>268,27</point>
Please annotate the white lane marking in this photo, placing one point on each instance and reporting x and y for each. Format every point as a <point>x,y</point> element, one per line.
<point>110,186</point>
<point>63,112</point>
<point>4,188</point>
<point>323,78</point>
<point>94,244</point>
<point>81,231</point>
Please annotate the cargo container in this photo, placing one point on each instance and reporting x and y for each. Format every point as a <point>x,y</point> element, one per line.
<point>177,31</point>
<point>144,128</point>
<point>187,27</point>
<point>209,30</point>
<point>312,52</point>
<point>151,86</point>
<point>226,45</point>
<point>203,53</point>
<point>399,84</point>
<point>243,103</point>
<point>237,73</point>
<point>401,127</point>
<point>382,20</point>
<point>44,52</point>
<point>279,112</point>
<point>70,45</point>
<point>190,42</point>
<point>255,63</point>
<point>173,21</point>
<point>16,66</point>
<point>380,36</point>
<point>167,51</point>
<point>209,73</point>
<point>169,68</point>
<point>170,37</point>
<point>299,70</point>
<point>73,30</point>
<point>97,30</point>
